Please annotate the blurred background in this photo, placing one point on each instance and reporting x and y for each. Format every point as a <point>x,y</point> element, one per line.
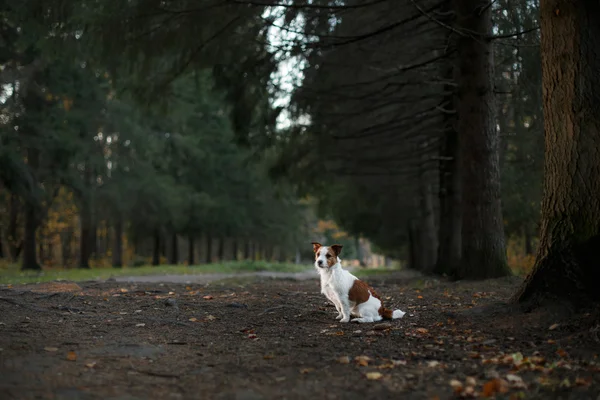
<point>193,132</point>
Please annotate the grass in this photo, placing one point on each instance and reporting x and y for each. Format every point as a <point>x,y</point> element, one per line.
<point>12,274</point>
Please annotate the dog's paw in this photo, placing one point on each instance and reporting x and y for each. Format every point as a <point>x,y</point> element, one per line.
<point>339,316</point>
<point>344,320</point>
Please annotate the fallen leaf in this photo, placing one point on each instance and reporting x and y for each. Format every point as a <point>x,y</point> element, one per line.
<point>91,364</point>
<point>516,381</point>
<point>209,297</point>
<point>553,327</point>
<point>494,386</point>
<point>51,348</point>
<point>252,336</point>
<point>211,318</point>
<point>140,324</point>
<point>306,370</point>
<point>456,385</point>
<point>382,326</point>
<point>71,356</point>
<point>422,330</point>
<point>419,297</point>
<point>374,376</point>
<point>193,319</point>
<point>362,360</point>
<point>280,379</point>
<point>562,353</point>
<point>269,356</point>
<point>433,364</point>
<point>344,360</point>
<point>470,381</point>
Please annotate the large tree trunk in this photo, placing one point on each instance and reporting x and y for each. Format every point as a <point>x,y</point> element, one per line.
<point>566,267</point>
<point>483,243</point>
<point>117,254</point>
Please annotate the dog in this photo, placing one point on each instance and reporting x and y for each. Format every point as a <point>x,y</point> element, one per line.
<point>351,296</point>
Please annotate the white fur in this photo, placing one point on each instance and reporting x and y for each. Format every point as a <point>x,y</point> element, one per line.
<point>336,283</point>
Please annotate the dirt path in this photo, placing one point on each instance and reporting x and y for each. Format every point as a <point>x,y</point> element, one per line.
<point>270,338</point>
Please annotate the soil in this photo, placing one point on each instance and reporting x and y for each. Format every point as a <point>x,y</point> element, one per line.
<point>264,337</point>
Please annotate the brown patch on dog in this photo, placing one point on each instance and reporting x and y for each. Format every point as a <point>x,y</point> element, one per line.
<point>359,293</point>
<point>337,249</point>
<point>316,246</point>
<point>331,257</point>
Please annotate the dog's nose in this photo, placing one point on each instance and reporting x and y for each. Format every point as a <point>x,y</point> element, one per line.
<point>320,262</point>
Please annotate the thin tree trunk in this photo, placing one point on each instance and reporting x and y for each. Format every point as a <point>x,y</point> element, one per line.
<point>247,250</point>
<point>156,248</point>
<point>221,249</point>
<point>234,249</point>
<point>31,219</point>
<point>85,235</point>
<point>428,231</point>
<point>566,268</point>
<point>174,254</point>
<point>15,244</point>
<point>209,248</point>
<point>117,254</point>
<point>29,241</point>
<point>483,242</point>
<point>191,250</point>
<point>413,259</point>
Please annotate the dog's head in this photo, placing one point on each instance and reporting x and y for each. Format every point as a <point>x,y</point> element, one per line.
<point>326,256</point>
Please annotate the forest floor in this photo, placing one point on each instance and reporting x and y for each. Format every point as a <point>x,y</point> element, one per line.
<point>262,337</point>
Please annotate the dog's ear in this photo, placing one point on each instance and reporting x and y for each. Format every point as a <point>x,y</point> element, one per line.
<point>316,246</point>
<point>337,249</point>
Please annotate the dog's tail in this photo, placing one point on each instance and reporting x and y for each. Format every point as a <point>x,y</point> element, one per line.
<point>389,314</point>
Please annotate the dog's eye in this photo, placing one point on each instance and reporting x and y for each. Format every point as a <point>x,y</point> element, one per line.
<point>328,255</point>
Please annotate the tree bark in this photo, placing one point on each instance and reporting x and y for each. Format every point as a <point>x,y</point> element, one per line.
<point>566,268</point>
<point>483,242</point>
<point>117,254</point>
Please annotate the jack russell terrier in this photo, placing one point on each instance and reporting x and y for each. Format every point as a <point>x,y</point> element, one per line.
<point>350,295</point>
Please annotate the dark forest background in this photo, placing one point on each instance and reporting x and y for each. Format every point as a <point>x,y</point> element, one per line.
<point>166,132</point>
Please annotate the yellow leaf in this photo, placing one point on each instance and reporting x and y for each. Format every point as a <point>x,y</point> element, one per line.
<point>71,356</point>
<point>374,376</point>
<point>362,360</point>
<point>193,319</point>
<point>344,360</point>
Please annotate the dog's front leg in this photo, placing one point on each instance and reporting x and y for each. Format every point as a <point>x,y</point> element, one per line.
<point>345,306</point>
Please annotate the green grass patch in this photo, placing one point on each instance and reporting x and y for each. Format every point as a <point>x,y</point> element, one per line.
<point>12,274</point>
